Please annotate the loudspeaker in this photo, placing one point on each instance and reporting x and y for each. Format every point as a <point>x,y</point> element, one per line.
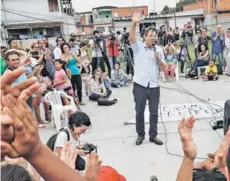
<point>226,123</point>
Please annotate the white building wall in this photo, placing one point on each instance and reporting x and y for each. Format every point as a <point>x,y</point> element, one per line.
<point>38,9</point>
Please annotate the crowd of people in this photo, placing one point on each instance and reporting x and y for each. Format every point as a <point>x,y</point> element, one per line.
<point>90,69</point>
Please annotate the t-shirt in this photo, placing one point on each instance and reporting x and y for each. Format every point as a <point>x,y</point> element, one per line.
<point>210,69</point>
<point>57,53</point>
<point>62,139</point>
<point>19,79</point>
<point>59,76</point>
<point>3,65</point>
<point>96,52</point>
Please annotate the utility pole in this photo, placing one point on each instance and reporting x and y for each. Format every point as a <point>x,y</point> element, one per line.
<point>154,6</point>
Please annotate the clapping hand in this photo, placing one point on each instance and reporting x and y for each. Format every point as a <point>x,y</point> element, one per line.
<point>185,130</point>
<point>69,155</point>
<point>22,90</point>
<point>222,152</point>
<point>26,142</point>
<point>92,169</point>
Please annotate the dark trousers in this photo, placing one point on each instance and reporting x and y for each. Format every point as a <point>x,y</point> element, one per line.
<point>77,84</point>
<point>141,95</point>
<point>199,63</point>
<point>95,64</point>
<point>95,97</point>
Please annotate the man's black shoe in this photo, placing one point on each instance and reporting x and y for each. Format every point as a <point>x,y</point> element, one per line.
<point>156,141</point>
<point>140,140</point>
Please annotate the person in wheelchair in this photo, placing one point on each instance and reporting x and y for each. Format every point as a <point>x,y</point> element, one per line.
<point>170,60</point>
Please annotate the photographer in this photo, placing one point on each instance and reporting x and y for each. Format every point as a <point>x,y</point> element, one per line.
<point>79,123</point>
<point>112,45</point>
<point>97,49</point>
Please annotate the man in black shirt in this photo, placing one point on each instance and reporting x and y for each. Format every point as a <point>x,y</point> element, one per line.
<point>203,39</point>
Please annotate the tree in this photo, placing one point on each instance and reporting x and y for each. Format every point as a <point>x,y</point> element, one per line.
<point>165,10</point>
<point>181,3</point>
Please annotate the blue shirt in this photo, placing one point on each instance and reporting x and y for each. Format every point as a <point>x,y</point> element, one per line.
<point>72,65</point>
<point>19,79</point>
<point>146,67</point>
<point>218,45</point>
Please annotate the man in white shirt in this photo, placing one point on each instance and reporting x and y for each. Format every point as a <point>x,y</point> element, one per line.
<point>148,58</point>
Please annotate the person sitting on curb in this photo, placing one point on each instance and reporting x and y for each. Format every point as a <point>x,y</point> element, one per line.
<point>118,77</point>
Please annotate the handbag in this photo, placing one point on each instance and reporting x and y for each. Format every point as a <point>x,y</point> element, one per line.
<point>106,102</point>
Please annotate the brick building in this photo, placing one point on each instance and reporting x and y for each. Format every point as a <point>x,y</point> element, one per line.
<point>216,12</point>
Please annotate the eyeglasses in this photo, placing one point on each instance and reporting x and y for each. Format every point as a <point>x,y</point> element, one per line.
<point>17,59</point>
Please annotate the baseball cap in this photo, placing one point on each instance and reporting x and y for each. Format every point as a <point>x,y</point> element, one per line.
<point>108,173</point>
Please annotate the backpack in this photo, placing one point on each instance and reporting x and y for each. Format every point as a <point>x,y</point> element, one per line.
<point>51,142</point>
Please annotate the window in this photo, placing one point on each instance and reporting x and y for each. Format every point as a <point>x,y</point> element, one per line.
<point>53,5</point>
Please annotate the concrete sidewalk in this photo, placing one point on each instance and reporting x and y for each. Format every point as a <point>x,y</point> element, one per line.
<point>116,141</point>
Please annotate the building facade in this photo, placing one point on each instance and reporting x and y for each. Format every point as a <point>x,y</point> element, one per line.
<point>215,12</point>
<point>32,19</point>
<point>84,23</point>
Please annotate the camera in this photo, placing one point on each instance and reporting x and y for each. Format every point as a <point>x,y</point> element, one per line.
<point>88,148</point>
<point>34,54</point>
<point>112,37</point>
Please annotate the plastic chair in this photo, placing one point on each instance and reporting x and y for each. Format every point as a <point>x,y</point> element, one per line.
<point>58,109</point>
<point>199,69</point>
<point>176,72</point>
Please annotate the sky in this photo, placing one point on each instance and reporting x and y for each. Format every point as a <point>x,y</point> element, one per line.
<point>87,5</point>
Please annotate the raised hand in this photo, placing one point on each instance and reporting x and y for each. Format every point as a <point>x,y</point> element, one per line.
<point>222,152</point>
<point>92,167</point>
<point>137,17</point>
<point>185,130</point>
<point>69,155</point>
<point>26,141</point>
<point>23,90</point>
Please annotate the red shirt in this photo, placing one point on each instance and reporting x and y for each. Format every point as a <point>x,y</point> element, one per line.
<point>113,49</point>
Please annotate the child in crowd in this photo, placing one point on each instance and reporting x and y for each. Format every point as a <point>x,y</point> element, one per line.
<point>61,81</point>
<point>211,71</point>
<point>170,60</point>
<point>118,77</point>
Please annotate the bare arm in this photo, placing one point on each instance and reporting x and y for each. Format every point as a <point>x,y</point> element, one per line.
<point>132,32</point>
<point>186,170</point>
<point>47,168</point>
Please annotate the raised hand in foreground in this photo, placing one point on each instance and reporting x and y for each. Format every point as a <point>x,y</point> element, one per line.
<point>69,155</point>
<point>220,160</point>
<point>93,165</point>
<point>22,90</point>
<point>185,129</point>
<point>27,143</point>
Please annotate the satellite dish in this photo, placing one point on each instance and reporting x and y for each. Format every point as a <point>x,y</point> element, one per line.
<point>115,15</point>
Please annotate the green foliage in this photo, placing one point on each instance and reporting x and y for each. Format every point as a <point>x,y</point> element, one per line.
<point>181,3</point>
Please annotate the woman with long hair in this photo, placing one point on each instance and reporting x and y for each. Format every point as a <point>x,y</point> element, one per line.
<point>202,60</point>
<point>72,61</point>
<point>97,88</point>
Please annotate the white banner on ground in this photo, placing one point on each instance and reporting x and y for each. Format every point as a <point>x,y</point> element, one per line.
<point>175,112</point>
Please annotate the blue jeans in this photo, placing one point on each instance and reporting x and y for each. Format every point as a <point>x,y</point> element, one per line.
<point>112,61</point>
<point>221,60</point>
